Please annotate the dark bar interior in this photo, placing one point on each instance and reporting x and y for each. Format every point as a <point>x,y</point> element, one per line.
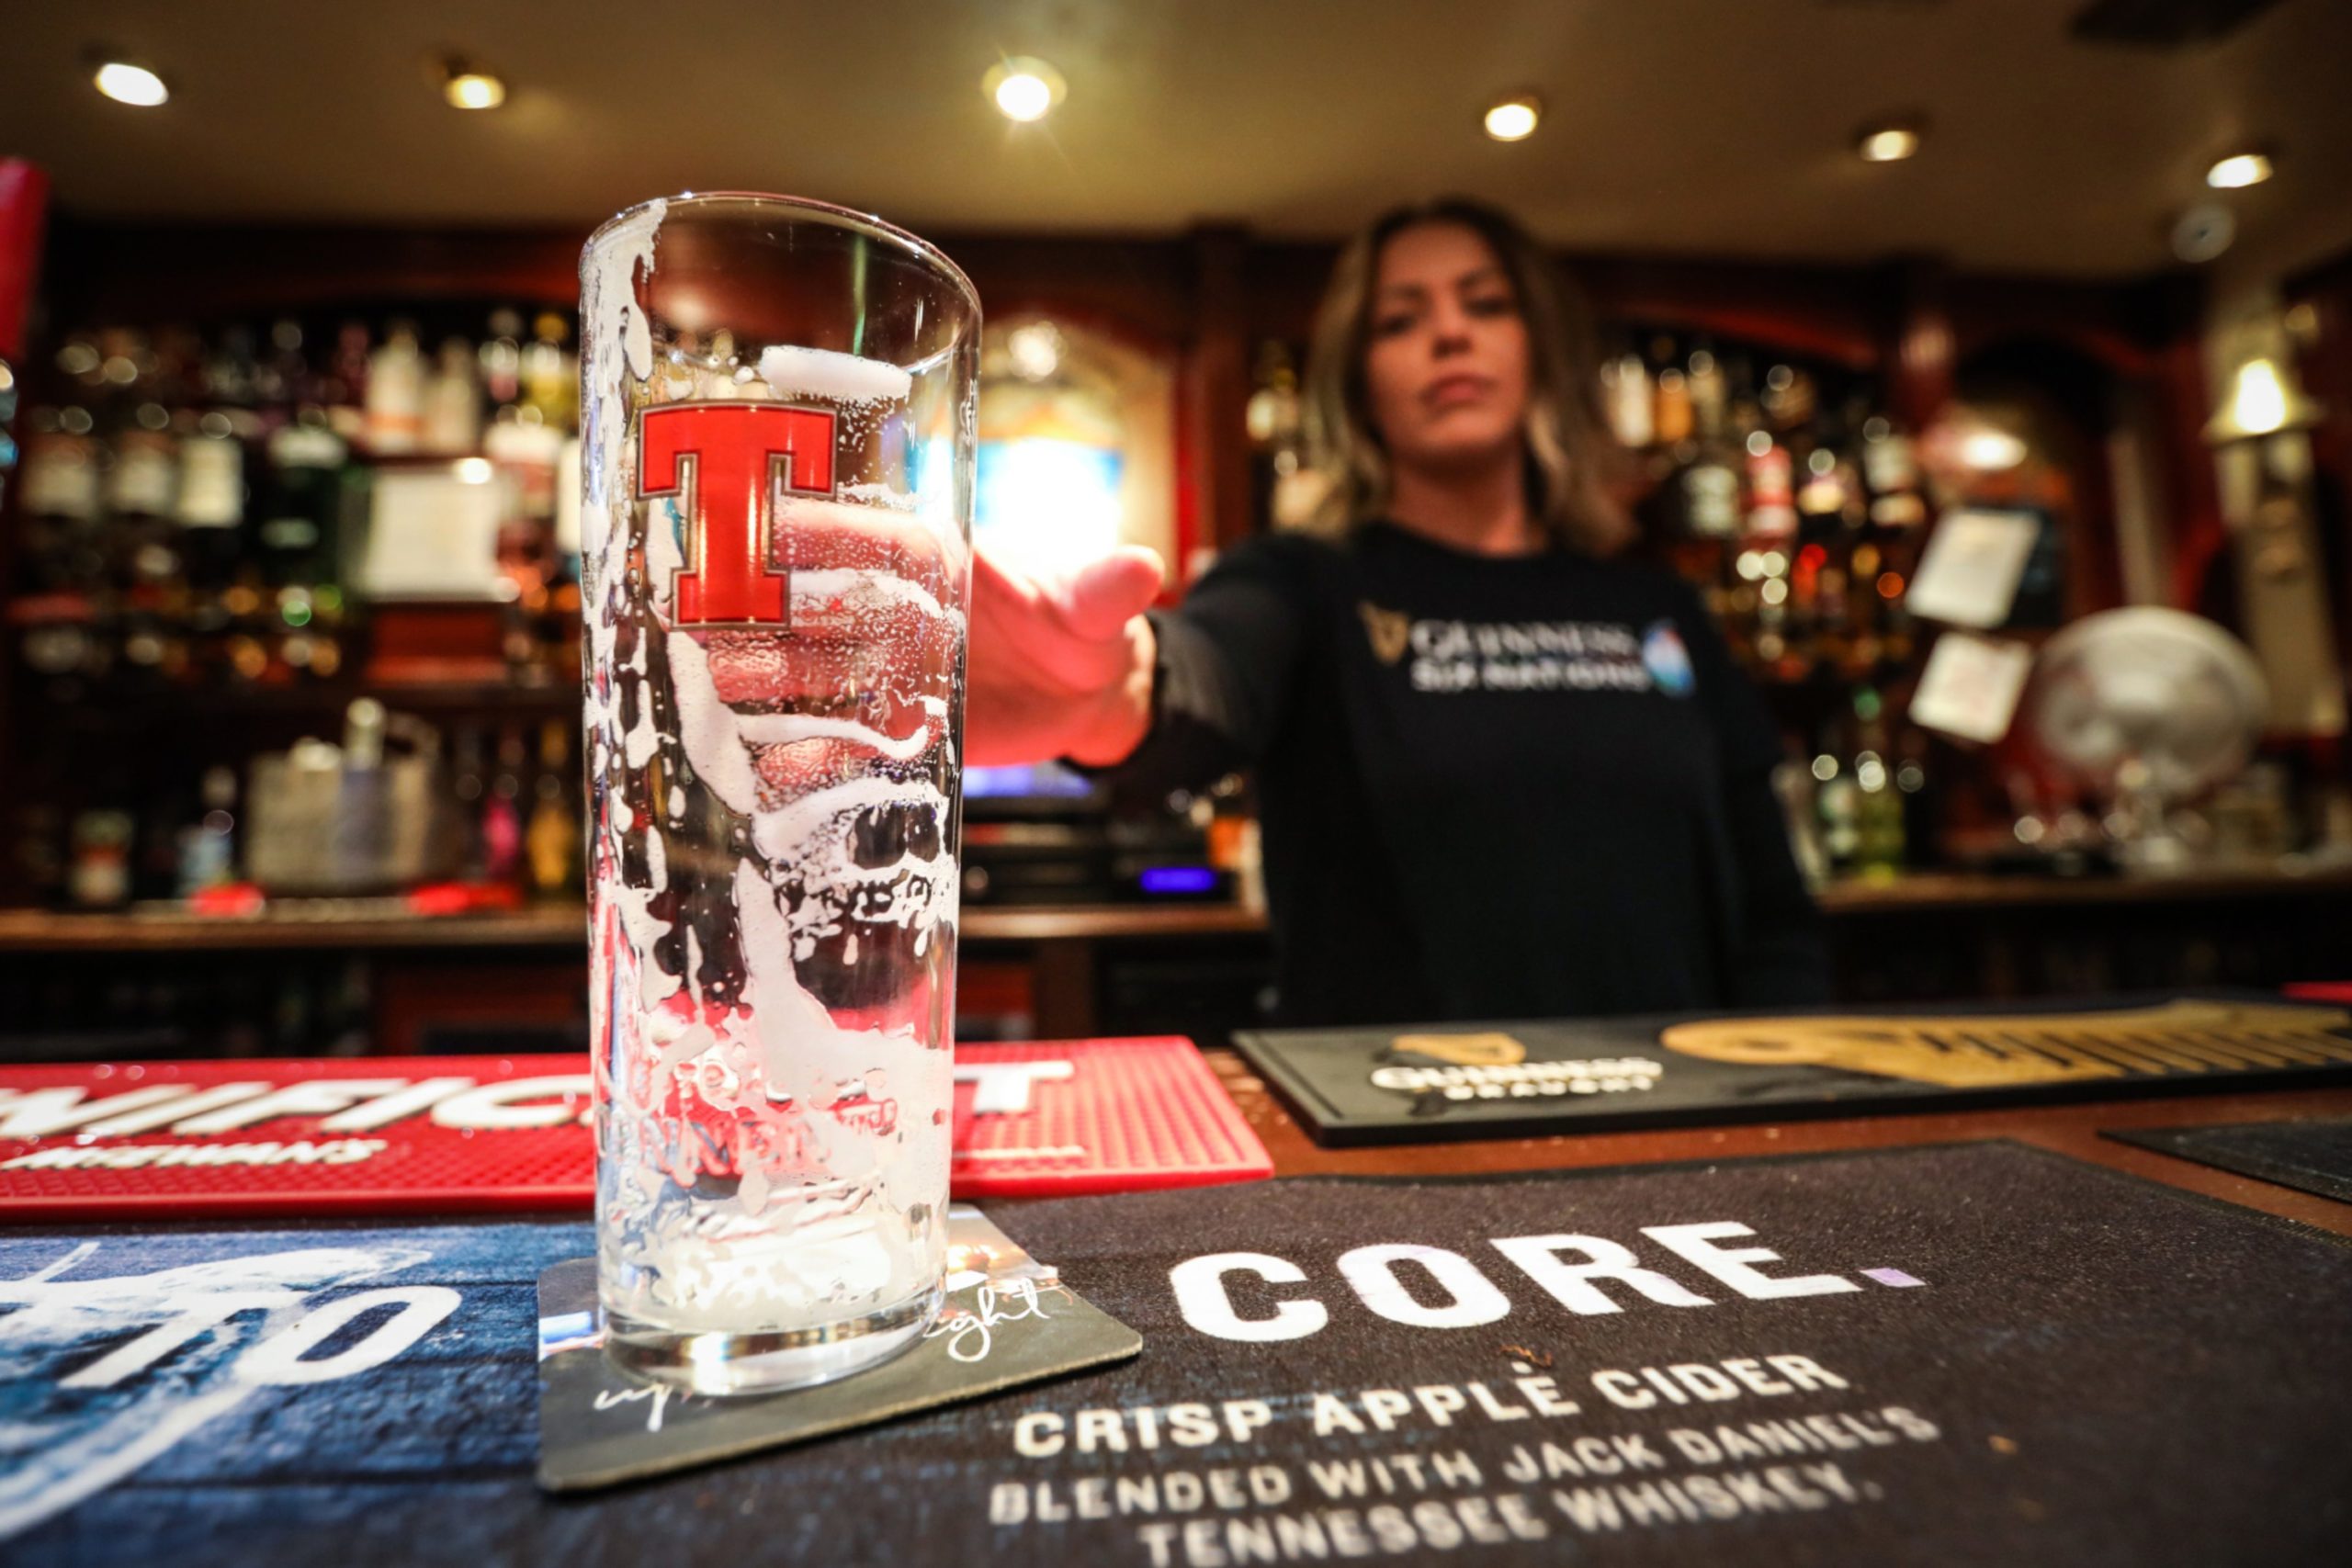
<point>1530,664</point>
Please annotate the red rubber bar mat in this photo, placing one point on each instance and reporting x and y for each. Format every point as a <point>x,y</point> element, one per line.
<point>450,1134</point>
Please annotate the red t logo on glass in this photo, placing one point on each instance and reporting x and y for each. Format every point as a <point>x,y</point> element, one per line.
<point>726,459</point>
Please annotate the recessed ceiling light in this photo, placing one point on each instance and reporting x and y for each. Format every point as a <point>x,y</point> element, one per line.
<point>1887,143</point>
<point>467,87</point>
<point>1023,88</point>
<point>1515,118</point>
<point>2239,170</point>
<point>132,84</point>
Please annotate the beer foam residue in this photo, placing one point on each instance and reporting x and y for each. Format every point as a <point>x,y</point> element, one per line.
<point>616,325</point>
<point>791,729</point>
<point>882,495</point>
<point>707,728</point>
<point>792,371</point>
<point>868,592</point>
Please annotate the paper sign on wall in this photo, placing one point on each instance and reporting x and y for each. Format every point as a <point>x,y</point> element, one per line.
<point>1974,560</point>
<point>1971,685</point>
<point>432,534</point>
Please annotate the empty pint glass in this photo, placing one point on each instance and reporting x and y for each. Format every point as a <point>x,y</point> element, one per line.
<point>777,405</point>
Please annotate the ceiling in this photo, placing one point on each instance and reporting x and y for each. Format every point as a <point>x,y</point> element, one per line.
<point>1709,127</point>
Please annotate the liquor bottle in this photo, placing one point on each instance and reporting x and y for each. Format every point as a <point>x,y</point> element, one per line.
<point>1702,500</point>
<point>1879,814</point>
<point>1914,787</point>
<point>99,865</point>
<point>1893,534</point>
<point>64,562</point>
<point>1891,467</point>
<point>1285,492</point>
<point>502,814</point>
<point>395,397</point>
<point>297,619</point>
<point>501,357</point>
<point>1771,513</point>
<point>1709,406</point>
<point>550,375</point>
<point>1767,527</point>
<point>1673,417</point>
<point>1789,397</point>
<point>527,451</point>
<point>1625,398</point>
<point>231,369</point>
<point>1827,507</point>
<point>284,382</point>
<point>453,402</point>
<point>468,789</point>
<point>553,838</point>
<point>211,517</point>
<point>208,847</point>
<point>343,391</point>
<point>1837,796</point>
<point>142,497</point>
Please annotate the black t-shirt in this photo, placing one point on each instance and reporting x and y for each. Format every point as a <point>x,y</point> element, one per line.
<point>1490,787</point>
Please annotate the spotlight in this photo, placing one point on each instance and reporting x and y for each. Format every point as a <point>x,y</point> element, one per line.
<point>467,87</point>
<point>1023,88</point>
<point>132,84</point>
<point>1889,143</point>
<point>1514,118</point>
<point>2238,171</point>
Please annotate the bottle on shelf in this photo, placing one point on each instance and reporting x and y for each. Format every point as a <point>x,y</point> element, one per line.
<point>470,790</point>
<point>502,814</point>
<point>1703,505</point>
<point>550,374</point>
<point>395,395</point>
<point>285,382</point>
<point>1286,492</point>
<point>343,391</point>
<point>212,533</point>
<point>552,839</point>
<point>525,438</point>
<point>1626,400</point>
<point>500,359</point>
<point>291,615</point>
<point>208,846</point>
<point>1879,814</point>
<point>453,402</point>
<point>65,594</point>
<point>143,500</point>
<point>1709,396</point>
<point>1673,414</point>
<point>98,864</point>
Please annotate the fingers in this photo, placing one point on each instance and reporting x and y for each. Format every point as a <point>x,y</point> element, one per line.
<point>1105,594</point>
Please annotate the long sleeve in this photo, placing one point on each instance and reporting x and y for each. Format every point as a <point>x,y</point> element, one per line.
<point>1228,662</point>
<point>1781,959</point>
<point>1777,956</point>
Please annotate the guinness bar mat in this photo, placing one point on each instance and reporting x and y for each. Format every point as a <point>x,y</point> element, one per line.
<point>1387,1085</point>
<point>1974,1353</point>
<point>2314,1156</point>
<point>255,1139</point>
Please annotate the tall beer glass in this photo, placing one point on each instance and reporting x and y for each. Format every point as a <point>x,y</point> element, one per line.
<point>777,418</point>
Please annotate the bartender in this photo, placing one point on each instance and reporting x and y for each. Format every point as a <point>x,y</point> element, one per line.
<point>1502,773</point>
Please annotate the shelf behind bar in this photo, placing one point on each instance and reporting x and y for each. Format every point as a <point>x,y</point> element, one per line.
<point>365,924</point>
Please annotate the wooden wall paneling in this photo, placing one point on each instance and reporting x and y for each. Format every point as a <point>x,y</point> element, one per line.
<point>1920,350</point>
<point>1822,313</point>
<point>2324,362</point>
<point>24,212</point>
<point>1216,389</point>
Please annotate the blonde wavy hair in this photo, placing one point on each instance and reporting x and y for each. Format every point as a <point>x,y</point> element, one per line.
<point>1571,459</point>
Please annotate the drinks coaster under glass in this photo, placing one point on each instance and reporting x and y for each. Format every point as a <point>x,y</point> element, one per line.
<point>1008,1321</point>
